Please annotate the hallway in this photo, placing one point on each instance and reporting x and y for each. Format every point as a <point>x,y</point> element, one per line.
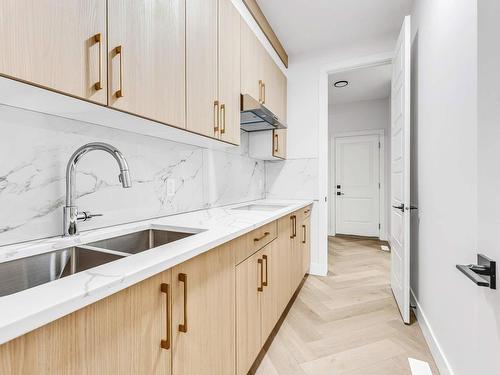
<point>347,323</point>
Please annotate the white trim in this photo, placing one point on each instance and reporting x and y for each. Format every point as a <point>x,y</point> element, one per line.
<point>318,269</point>
<point>382,234</point>
<point>436,349</point>
<point>323,139</point>
<point>357,133</point>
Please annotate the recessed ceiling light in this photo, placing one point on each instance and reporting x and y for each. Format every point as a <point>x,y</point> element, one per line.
<point>339,84</point>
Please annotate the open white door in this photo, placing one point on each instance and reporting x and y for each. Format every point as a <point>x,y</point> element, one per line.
<point>400,172</point>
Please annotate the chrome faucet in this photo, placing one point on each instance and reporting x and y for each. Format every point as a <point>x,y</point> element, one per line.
<point>71,216</point>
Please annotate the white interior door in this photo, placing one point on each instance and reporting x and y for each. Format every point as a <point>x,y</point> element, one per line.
<point>400,172</point>
<point>357,185</point>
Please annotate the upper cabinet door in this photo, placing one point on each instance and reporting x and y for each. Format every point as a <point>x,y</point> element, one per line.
<point>274,82</point>
<point>201,64</point>
<point>146,58</point>
<point>229,72</point>
<point>56,44</point>
<point>252,63</point>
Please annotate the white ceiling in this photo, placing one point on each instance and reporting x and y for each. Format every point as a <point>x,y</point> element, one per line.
<point>312,25</point>
<point>364,84</point>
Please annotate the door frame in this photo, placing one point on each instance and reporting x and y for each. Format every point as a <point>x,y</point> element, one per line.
<point>323,157</point>
<point>382,168</point>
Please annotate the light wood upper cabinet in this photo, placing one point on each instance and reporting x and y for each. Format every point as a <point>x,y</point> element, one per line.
<point>53,44</point>
<point>202,68</point>
<point>204,314</point>
<point>229,72</point>
<point>146,58</point>
<point>261,78</point>
<point>248,311</point>
<point>121,334</point>
<point>279,143</point>
<point>252,63</point>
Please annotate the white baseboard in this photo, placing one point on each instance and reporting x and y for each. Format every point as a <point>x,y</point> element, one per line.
<point>436,350</point>
<point>318,269</point>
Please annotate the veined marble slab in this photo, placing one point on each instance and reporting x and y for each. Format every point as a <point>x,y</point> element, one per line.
<point>29,309</point>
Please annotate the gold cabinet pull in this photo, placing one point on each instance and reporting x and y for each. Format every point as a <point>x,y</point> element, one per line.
<point>223,118</point>
<point>165,288</point>
<point>294,226</point>
<point>261,237</point>
<point>264,93</point>
<point>291,219</point>
<point>264,257</point>
<point>183,279</point>
<point>216,115</point>
<point>276,144</point>
<point>260,91</point>
<point>304,234</point>
<point>261,266</point>
<point>98,40</point>
<point>119,51</point>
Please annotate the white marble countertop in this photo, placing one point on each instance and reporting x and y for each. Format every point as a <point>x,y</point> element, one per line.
<point>32,308</point>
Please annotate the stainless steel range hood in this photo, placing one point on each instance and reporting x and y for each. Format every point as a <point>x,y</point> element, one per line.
<point>256,117</point>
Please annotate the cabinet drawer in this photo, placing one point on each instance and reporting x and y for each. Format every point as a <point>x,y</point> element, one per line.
<point>255,240</point>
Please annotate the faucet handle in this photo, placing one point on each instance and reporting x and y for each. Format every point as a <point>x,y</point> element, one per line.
<point>87,215</point>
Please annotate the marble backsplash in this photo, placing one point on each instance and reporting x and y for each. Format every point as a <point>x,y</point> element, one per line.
<point>35,148</point>
<point>292,179</point>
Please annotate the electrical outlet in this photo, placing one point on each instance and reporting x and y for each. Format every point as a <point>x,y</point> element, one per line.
<point>170,187</point>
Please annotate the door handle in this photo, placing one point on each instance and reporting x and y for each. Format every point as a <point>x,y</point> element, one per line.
<point>340,193</point>
<point>183,279</point>
<point>165,288</point>
<point>400,207</point>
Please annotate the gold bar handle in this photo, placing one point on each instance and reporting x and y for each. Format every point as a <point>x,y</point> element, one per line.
<point>119,51</point>
<point>261,265</point>
<point>98,40</point>
<point>261,237</point>
<point>223,118</point>
<point>294,226</point>
<point>304,233</point>
<point>291,219</point>
<point>276,144</point>
<point>264,91</point>
<point>183,279</point>
<point>264,257</point>
<point>216,115</point>
<point>165,288</point>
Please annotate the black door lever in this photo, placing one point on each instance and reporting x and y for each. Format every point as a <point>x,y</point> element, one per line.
<point>400,207</point>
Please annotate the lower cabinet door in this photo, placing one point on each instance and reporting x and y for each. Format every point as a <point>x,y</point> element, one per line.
<point>306,245</point>
<point>121,334</point>
<point>249,287</point>
<point>285,260</point>
<point>203,314</point>
<point>270,306</point>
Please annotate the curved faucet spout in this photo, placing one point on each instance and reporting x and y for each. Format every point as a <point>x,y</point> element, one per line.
<point>71,214</point>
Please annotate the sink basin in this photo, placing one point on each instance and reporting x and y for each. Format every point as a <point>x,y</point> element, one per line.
<point>137,242</point>
<point>260,207</point>
<point>25,273</point>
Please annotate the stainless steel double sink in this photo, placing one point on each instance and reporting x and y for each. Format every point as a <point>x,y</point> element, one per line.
<point>25,273</point>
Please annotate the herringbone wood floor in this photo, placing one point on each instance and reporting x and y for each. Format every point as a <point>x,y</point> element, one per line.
<point>347,322</point>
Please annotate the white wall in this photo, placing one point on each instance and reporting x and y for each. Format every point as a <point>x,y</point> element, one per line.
<point>357,116</point>
<point>488,304</point>
<point>444,165</point>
